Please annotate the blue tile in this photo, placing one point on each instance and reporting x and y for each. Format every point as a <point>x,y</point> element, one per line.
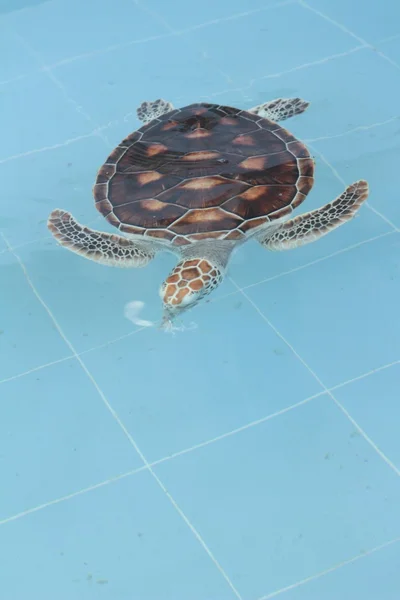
<point>3,245</point>
<point>340,315</point>
<point>24,324</point>
<point>121,541</point>
<point>252,263</point>
<point>373,403</point>
<point>9,6</point>
<point>65,29</point>
<point>372,154</point>
<point>186,389</point>
<point>344,92</point>
<point>373,576</point>
<point>369,20</point>
<point>206,12</point>
<point>287,499</point>
<point>59,178</point>
<point>67,439</point>
<point>18,62</point>
<point>391,47</point>
<point>252,47</point>
<point>164,68</point>
<point>47,119</point>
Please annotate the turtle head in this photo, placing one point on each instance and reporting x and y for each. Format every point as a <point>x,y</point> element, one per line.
<point>188,283</point>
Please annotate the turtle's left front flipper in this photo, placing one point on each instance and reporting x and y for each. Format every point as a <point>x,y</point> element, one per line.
<point>105,248</point>
<point>310,226</point>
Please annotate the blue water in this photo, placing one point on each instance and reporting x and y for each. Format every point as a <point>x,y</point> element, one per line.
<point>256,455</point>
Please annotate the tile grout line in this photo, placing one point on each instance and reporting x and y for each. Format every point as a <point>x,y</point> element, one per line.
<point>348,31</point>
<point>326,390</point>
<point>95,132</point>
<point>351,131</point>
<point>385,40</point>
<point>344,29</point>
<point>35,369</point>
<point>233,432</point>
<point>364,375</point>
<point>78,138</point>
<point>120,423</point>
<point>319,61</point>
<point>331,569</point>
<point>70,356</point>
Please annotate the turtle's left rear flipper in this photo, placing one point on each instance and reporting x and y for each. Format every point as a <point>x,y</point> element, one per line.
<point>105,248</point>
<point>310,226</point>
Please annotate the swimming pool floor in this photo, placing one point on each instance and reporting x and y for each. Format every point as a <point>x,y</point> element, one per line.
<point>255,455</point>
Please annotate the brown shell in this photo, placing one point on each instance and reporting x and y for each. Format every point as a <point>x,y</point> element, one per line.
<point>203,171</point>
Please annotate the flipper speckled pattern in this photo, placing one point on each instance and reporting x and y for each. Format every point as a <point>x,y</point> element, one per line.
<point>148,111</point>
<point>280,109</point>
<point>105,248</point>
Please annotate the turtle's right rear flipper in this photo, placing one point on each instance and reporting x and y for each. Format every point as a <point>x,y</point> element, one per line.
<point>280,109</point>
<point>105,248</point>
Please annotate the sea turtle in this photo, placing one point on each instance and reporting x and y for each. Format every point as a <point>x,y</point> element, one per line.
<point>198,181</point>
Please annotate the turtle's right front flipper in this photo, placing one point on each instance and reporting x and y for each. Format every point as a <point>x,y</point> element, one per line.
<point>105,248</point>
<point>280,109</point>
<point>148,111</point>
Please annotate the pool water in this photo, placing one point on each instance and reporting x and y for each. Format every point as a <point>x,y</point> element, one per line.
<point>255,454</point>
